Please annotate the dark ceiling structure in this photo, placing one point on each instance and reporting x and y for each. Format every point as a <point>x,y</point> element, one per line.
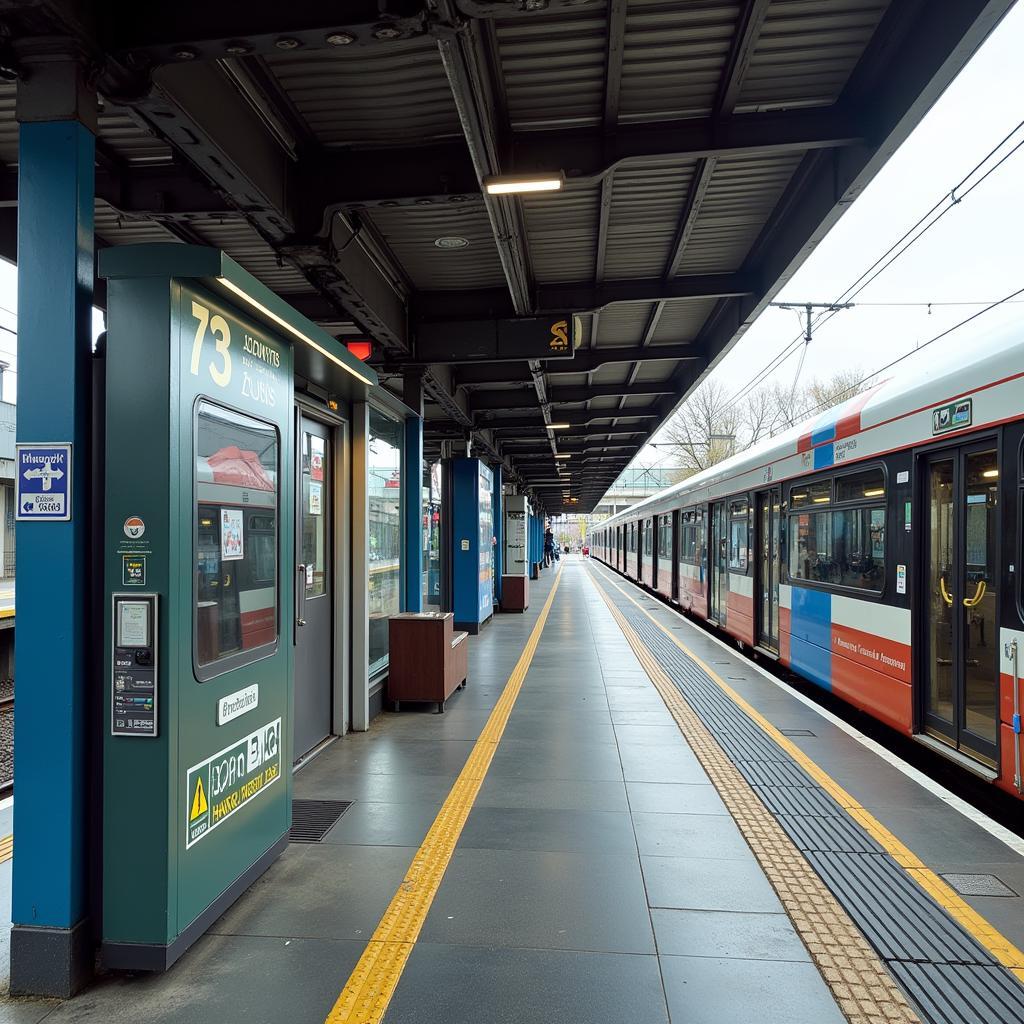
<point>338,151</point>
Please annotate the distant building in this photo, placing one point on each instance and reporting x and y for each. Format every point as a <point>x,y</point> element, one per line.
<point>634,485</point>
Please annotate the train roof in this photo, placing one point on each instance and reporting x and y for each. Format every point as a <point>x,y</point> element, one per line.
<point>953,369</point>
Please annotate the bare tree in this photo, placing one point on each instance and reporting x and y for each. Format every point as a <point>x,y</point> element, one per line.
<point>704,432</point>
<point>710,428</point>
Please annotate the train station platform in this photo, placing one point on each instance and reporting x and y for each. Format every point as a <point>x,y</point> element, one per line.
<point>619,819</point>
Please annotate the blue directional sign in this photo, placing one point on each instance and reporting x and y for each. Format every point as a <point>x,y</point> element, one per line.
<point>44,482</point>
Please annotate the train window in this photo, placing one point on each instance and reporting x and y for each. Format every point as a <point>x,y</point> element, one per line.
<point>665,537</point>
<point>739,530</point>
<point>807,495</point>
<point>844,548</point>
<point>648,528</point>
<point>860,486</point>
<point>236,540</point>
<point>688,537</point>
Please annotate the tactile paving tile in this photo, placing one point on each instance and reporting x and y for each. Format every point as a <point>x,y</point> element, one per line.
<point>967,995</point>
<point>827,835</point>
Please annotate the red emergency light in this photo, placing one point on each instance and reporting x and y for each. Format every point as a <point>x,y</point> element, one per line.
<point>360,349</point>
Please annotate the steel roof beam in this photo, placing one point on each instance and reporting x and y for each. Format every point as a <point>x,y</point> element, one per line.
<point>575,419</point>
<point>585,361</point>
<point>521,398</point>
<point>581,296</point>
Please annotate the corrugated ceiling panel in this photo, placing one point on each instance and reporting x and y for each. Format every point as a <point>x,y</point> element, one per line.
<point>132,143</point>
<point>742,195</point>
<point>639,402</point>
<point>622,324</point>
<point>8,126</point>
<point>554,69</point>
<point>682,320</point>
<point>379,94</point>
<point>609,403</point>
<point>410,233</point>
<point>673,58</point>
<point>646,202</point>
<point>656,372</point>
<point>562,229</point>
<point>244,245</point>
<point>611,373</point>
<point>115,229</point>
<point>806,51</point>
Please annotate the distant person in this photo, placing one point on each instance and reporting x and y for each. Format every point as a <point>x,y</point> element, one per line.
<point>549,547</point>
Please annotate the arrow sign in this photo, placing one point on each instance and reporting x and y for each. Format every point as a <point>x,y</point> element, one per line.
<point>43,482</point>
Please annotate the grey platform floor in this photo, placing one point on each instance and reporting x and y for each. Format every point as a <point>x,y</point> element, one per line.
<point>943,839</point>
<point>599,878</point>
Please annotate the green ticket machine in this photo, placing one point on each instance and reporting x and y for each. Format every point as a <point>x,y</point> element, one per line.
<point>199,588</point>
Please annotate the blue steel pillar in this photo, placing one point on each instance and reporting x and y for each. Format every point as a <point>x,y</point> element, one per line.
<point>498,511</point>
<point>51,941</point>
<point>412,497</point>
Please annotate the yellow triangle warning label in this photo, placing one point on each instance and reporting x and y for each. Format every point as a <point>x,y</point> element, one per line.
<point>199,804</point>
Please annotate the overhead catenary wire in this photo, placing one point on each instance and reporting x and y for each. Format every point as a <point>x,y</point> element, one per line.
<point>909,238</point>
<point>853,388</point>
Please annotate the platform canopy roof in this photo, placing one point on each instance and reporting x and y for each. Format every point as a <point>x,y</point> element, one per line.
<point>338,151</point>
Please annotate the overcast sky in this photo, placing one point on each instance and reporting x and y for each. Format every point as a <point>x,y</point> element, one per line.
<point>976,252</point>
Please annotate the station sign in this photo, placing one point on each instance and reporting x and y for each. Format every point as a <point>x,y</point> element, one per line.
<point>512,339</point>
<point>43,483</point>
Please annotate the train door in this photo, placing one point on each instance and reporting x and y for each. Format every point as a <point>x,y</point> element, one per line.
<point>314,597</point>
<point>718,564</point>
<point>768,568</point>
<point>959,596</point>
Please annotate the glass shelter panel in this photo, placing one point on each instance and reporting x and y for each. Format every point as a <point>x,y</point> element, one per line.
<point>384,489</point>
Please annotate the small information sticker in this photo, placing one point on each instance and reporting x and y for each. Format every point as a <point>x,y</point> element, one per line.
<point>231,549</point>
<point>43,483</point>
<point>133,570</point>
<point>238,703</point>
<point>901,579</point>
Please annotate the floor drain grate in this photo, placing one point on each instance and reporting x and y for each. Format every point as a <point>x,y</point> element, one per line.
<point>979,885</point>
<point>313,819</point>
<point>796,732</point>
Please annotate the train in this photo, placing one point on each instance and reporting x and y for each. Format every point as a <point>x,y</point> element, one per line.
<point>872,550</point>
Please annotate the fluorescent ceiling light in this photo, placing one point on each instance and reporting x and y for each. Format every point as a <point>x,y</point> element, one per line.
<point>558,426</point>
<point>821,501</point>
<point>293,330</point>
<point>876,492</point>
<point>990,474</point>
<point>563,455</point>
<point>514,184</point>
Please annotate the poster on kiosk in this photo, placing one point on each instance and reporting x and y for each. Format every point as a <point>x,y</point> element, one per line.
<point>199,499</point>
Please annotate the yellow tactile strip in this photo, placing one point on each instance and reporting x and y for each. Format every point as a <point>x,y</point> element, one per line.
<point>6,848</point>
<point>862,987</point>
<point>962,912</point>
<point>369,989</point>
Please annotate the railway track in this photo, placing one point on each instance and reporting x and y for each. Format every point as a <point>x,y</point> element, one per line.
<point>6,741</point>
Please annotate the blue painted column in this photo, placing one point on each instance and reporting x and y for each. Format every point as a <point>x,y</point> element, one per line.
<point>51,941</point>
<point>498,510</point>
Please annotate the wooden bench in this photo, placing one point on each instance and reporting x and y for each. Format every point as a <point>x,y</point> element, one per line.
<point>428,660</point>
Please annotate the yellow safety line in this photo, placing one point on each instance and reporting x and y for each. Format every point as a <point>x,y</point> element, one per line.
<point>369,989</point>
<point>6,613</point>
<point>993,940</point>
<point>6,848</point>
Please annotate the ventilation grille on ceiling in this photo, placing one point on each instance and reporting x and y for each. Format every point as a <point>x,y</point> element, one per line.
<point>313,819</point>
